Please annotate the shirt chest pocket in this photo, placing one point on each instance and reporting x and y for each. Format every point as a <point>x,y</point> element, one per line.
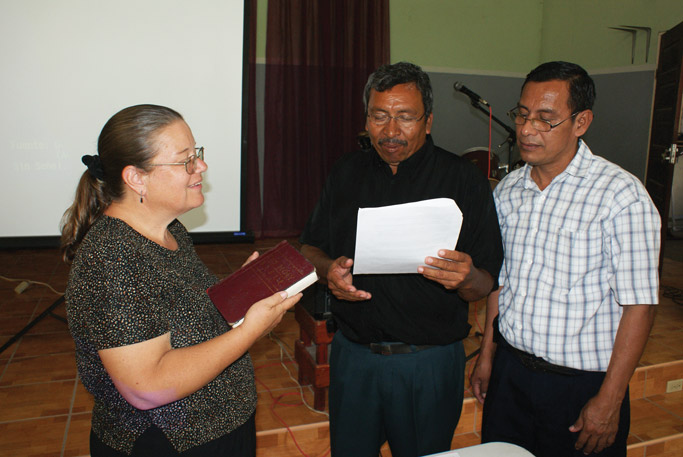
<point>572,254</point>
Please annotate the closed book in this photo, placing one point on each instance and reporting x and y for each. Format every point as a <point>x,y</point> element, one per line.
<point>280,268</point>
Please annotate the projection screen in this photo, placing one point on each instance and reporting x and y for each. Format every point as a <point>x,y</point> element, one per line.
<point>69,65</point>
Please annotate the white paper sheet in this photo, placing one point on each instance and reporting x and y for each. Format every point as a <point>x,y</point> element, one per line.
<point>397,238</point>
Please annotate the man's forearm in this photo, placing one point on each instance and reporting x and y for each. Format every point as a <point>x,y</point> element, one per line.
<point>320,260</point>
<point>634,329</point>
<point>478,287</point>
<point>488,346</point>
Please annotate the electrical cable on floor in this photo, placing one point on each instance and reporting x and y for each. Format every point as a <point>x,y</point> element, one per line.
<point>24,283</point>
<point>276,401</point>
<point>284,350</point>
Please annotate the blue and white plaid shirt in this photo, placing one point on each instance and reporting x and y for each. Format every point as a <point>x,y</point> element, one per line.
<point>575,252</point>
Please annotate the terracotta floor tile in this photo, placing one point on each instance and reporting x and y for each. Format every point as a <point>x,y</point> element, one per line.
<point>47,343</point>
<point>312,440</point>
<point>267,349</point>
<point>672,402</point>
<point>31,401</point>
<point>284,407</point>
<point>272,375</point>
<point>465,440</point>
<point>635,452</point>
<point>83,401</point>
<point>57,367</point>
<point>657,352</point>
<point>633,439</point>
<point>18,306</point>
<point>12,324</point>
<point>78,438</point>
<point>637,384</point>
<point>669,448</point>
<point>33,438</point>
<point>50,324</point>
<point>648,421</point>
<point>468,418</point>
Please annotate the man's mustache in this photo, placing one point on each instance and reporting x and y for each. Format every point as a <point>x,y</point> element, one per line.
<point>392,141</point>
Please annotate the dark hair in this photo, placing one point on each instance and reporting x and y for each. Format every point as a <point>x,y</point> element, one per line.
<point>388,76</point>
<point>126,139</point>
<point>581,86</point>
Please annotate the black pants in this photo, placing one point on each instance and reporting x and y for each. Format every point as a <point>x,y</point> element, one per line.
<point>411,400</point>
<point>241,442</point>
<point>535,409</point>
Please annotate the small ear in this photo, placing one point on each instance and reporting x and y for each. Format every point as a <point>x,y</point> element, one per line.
<point>582,122</point>
<point>428,128</point>
<point>134,178</point>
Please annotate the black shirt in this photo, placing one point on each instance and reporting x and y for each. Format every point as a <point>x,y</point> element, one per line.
<point>408,307</point>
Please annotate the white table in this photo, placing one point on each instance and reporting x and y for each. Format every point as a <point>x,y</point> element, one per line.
<point>487,450</point>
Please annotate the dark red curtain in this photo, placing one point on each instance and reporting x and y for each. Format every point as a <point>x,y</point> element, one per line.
<point>319,54</point>
<point>252,189</point>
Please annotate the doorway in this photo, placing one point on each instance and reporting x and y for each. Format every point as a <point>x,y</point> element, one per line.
<point>666,134</point>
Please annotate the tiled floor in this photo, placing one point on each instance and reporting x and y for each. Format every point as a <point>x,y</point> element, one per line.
<point>44,410</point>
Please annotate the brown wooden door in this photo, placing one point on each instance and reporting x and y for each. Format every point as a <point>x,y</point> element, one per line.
<point>666,133</point>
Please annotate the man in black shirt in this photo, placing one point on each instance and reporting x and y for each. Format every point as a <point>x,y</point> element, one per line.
<point>397,361</point>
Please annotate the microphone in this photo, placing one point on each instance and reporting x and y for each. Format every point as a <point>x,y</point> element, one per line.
<point>460,87</point>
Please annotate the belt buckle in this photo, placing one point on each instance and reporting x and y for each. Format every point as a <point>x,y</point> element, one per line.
<point>385,349</point>
<point>381,348</point>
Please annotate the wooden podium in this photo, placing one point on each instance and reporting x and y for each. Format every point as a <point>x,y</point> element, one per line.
<point>311,352</point>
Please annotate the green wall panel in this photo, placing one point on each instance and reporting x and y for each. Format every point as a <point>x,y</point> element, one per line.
<point>505,36</point>
<point>579,30</point>
<point>491,35</point>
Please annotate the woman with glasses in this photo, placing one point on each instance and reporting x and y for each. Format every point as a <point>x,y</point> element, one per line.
<point>169,376</point>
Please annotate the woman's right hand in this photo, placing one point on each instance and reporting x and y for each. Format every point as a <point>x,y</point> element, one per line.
<point>264,315</point>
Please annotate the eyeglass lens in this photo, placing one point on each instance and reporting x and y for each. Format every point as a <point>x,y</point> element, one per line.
<point>538,124</point>
<point>191,164</point>
<point>381,119</point>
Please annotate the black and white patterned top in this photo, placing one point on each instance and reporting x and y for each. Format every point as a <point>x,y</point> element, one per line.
<point>124,289</point>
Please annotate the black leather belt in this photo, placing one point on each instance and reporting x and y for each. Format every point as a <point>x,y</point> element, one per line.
<point>396,348</point>
<point>531,361</point>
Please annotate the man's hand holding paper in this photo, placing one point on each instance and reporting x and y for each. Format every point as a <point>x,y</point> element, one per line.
<point>452,269</point>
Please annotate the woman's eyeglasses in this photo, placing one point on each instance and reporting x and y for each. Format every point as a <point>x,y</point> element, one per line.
<point>190,163</point>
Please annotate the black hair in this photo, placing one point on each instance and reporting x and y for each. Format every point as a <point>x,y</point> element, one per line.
<point>581,86</point>
<point>388,76</point>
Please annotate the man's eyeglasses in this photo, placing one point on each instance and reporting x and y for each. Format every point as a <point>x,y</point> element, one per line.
<point>404,120</point>
<point>538,124</point>
<point>190,163</point>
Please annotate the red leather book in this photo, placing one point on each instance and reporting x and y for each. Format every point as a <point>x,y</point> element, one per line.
<point>280,268</point>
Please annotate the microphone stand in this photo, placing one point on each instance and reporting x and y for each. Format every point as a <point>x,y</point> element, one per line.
<point>512,135</point>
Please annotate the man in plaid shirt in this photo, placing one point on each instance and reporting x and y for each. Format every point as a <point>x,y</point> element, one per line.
<point>567,327</point>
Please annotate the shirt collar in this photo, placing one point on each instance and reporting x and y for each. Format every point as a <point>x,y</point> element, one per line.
<point>581,162</point>
<point>411,162</point>
<point>578,167</point>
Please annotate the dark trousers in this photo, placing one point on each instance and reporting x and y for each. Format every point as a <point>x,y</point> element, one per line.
<point>239,443</point>
<point>535,409</point>
<point>411,400</point>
